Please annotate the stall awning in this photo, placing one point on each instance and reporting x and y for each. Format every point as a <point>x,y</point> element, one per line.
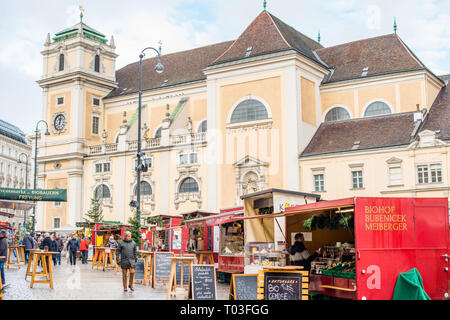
<point>215,220</point>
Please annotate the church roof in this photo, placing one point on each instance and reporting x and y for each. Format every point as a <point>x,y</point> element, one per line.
<point>381,55</point>
<point>12,132</point>
<point>72,32</point>
<point>438,118</point>
<point>268,34</point>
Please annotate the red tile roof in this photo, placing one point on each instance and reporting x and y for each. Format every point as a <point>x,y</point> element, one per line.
<point>180,67</point>
<point>374,132</point>
<point>268,34</point>
<point>382,55</point>
<point>439,116</point>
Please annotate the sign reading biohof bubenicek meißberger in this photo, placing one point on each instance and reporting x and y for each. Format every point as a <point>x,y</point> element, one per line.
<point>57,195</point>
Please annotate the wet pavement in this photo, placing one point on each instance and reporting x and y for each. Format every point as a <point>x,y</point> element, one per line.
<point>81,282</point>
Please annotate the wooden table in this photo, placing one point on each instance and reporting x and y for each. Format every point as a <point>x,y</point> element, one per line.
<point>11,250</point>
<point>47,271</point>
<point>189,260</point>
<point>30,261</point>
<point>148,257</point>
<point>99,256</point>
<point>205,254</point>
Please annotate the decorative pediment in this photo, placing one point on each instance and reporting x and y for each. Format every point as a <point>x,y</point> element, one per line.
<point>249,161</point>
<point>394,160</point>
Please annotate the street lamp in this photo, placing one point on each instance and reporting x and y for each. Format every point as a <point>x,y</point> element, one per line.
<point>47,133</point>
<point>26,183</point>
<point>159,68</point>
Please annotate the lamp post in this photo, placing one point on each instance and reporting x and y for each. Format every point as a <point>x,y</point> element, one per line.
<point>26,183</point>
<point>159,68</point>
<point>47,133</point>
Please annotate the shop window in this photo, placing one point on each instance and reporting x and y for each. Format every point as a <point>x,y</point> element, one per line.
<point>357,179</point>
<point>249,110</point>
<point>429,173</point>
<point>102,192</point>
<point>337,114</point>
<point>377,108</point>
<point>319,183</point>
<point>189,185</point>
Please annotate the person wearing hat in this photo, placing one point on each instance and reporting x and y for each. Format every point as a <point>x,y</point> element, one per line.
<point>3,253</point>
<point>299,255</point>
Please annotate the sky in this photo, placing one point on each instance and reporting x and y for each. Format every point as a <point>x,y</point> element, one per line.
<point>181,25</point>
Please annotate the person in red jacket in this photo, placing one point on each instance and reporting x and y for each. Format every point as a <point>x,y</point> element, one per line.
<point>84,248</point>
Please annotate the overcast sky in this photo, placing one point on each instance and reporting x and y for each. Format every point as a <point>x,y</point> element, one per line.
<point>185,24</point>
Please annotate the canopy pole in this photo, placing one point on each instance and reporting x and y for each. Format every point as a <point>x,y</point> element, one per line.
<point>279,227</point>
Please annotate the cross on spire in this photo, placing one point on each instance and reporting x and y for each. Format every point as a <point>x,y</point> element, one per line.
<point>395,25</point>
<point>81,8</point>
<point>265,5</point>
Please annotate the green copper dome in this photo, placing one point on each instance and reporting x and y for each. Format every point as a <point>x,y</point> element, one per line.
<point>72,32</point>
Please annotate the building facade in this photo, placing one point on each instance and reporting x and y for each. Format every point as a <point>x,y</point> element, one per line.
<point>15,149</point>
<point>220,122</point>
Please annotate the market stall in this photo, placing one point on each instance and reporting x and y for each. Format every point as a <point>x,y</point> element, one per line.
<point>166,233</point>
<point>197,236</point>
<point>367,242</point>
<point>265,237</point>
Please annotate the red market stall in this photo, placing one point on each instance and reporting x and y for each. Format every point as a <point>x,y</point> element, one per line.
<point>166,234</point>
<point>196,234</point>
<point>382,238</point>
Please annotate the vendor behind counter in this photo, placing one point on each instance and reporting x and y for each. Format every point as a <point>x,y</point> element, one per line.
<point>299,255</point>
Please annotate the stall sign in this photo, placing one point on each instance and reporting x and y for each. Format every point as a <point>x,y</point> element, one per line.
<point>244,287</point>
<point>216,239</point>
<point>203,283</point>
<point>162,266</point>
<point>176,241</point>
<point>282,285</point>
<point>56,195</point>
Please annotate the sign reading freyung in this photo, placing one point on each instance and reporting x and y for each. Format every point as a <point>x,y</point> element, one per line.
<point>57,195</point>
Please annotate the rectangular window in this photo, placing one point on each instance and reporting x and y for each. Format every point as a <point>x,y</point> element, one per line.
<point>96,102</point>
<point>429,173</point>
<point>422,174</point>
<point>436,173</point>
<point>319,183</point>
<point>106,167</point>
<point>60,101</point>
<point>194,158</point>
<point>357,179</point>
<point>395,176</point>
<point>57,204</point>
<point>98,168</point>
<point>95,125</point>
<point>183,159</point>
<point>56,223</point>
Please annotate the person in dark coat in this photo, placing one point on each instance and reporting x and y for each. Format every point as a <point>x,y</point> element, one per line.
<point>3,253</point>
<point>46,243</point>
<point>28,243</point>
<point>53,248</point>
<point>60,247</point>
<point>127,258</point>
<point>73,246</point>
<point>299,254</point>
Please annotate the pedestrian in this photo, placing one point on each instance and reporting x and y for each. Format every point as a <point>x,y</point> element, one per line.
<point>59,248</point>
<point>3,253</point>
<point>28,243</point>
<point>84,249</point>
<point>54,248</point>
<point>73,246</point>
<point>46,243</point>
<point>126,254</point>
<point>146,246</point>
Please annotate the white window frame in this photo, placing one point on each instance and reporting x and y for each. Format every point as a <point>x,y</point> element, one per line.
<point>429,175</point>
<point>53,222</point>
<point>63,103</point>
<point>356,168</point>
<point>317,174</point>
<point>337,106</point>
<point>92,126</point>
<point>188,155</point>
<point>375,100</point>
<point>266,105</point>
<point>395,166</point>
<point>102,167</point>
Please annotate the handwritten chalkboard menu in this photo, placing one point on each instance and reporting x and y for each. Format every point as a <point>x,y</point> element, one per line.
<point>185,273</point>
<point>203,284</point>
<point>282,286</point>
<point>163,264</point>
<point>139,270</point>
<point>244,287</point>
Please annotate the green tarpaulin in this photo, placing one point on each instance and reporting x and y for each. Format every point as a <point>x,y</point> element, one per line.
<point>409,286</point>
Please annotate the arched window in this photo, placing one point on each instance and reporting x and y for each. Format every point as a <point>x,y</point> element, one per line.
<point>158,133</point>
<point>97,63</point>
<point>61,62</point>
<point>146,189</point>
<point>377,108</point>
<point>203,127</point>
<point>336,114</point>
<point>102,192</point>
<point>188,185</point>
<point>249,110</point>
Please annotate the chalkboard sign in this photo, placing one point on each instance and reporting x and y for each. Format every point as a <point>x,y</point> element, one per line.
<point>244,287</point>
<point>139,270</point>
<point>283,286</point>
<point>163,263</point>
<point>185,273</point>
<point>203,283</point>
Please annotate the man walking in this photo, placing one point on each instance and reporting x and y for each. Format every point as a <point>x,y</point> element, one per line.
<point>60,247</point>
<point>73,245</point>
<point>28,243</point>
<point>84,248</point>
<point>126,255</point>
<point>3,253</point>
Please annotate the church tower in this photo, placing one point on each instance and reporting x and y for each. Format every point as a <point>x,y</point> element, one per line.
<point>78,71</point>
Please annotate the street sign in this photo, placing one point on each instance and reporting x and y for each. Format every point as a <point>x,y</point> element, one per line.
<point>56,195</point>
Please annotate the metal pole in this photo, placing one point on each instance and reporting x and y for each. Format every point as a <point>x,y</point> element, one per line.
<point>141,56</point>
<point>35,174</point>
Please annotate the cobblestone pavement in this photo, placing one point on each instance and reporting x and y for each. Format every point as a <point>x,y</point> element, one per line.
<point>80,282</point>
